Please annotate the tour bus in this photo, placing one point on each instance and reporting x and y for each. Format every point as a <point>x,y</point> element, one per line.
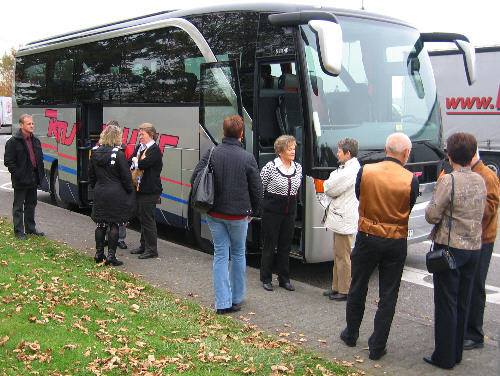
<point>319,74</point>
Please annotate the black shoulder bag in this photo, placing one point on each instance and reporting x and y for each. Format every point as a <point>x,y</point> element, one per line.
<point>439,257</point>
<point>203,192</point>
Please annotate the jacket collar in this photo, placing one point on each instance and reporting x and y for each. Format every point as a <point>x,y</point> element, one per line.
<point>231,141</point>
<point>393,160</point>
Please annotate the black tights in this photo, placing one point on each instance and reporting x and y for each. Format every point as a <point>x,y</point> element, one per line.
<point>100,236</point>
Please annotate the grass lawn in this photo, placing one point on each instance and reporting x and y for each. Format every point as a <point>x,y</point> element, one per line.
<point>61,314</point>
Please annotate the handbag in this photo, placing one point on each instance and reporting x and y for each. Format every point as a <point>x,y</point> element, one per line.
<point>203,191</point>
<point>439,257</point>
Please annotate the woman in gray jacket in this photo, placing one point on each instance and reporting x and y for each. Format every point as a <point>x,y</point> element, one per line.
<point>453,288</point>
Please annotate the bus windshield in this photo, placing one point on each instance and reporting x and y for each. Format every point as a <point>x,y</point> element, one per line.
<point>386,85</point>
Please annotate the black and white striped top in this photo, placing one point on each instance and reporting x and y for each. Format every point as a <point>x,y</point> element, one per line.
<point>280,189</point>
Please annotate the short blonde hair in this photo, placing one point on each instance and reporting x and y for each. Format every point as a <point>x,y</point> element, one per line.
<point>111,136</point>
<point>282,143</point>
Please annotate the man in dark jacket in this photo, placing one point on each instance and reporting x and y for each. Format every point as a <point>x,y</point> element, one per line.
<point>23,157</point>
<point>148,159</point>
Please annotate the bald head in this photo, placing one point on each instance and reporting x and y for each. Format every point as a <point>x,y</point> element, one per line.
<point>398,145</point>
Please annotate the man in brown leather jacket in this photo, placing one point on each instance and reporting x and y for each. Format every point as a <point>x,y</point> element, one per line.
<point>474,335</point>
<point>386,192</point>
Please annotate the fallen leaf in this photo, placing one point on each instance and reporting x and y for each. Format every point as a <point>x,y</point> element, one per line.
<point>3,340</point>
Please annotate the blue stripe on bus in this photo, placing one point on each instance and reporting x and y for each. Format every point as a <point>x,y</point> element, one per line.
<point>48,158</point>
<point>174,198</point>
<point>203,220</point>
<point>66,169</point>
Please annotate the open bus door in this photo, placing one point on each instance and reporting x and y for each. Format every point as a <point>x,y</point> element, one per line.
<point>220,97</point>
<point>90,121</point>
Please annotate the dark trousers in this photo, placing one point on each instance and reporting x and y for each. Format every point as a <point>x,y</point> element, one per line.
<point>389,255</point>
<point>146,205</point>
<point>452,293</point>
<point>277,231</point>
<point>474,328</point>
<point>23,210</point>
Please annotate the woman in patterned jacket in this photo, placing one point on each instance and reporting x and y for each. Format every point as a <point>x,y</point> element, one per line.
<point>281,180</point>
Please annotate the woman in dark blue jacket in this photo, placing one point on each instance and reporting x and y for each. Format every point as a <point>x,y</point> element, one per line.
<point>238,190</point>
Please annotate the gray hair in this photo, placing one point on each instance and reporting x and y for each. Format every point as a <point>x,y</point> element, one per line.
<point>349,145</point>
<point>282,143</point>
<point>397,143</point>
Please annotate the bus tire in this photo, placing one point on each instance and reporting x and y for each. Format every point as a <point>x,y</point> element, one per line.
<point>54,189</point>
<point>492,161</point>
<point>194,232</point>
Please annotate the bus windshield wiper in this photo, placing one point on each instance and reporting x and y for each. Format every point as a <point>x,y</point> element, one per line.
<point>433,147</point>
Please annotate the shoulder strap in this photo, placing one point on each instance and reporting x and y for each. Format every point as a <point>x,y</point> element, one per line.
<point>451,206</point>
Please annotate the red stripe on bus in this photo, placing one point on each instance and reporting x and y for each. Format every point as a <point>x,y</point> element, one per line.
<point>67,156</point>
<point>51,114</point>
<point>51,147</point>
<point>176,182</point>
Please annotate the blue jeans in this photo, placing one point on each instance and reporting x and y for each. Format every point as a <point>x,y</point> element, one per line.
<point>229,286</point>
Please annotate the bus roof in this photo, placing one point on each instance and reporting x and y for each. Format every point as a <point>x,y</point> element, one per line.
<point>67,38</point>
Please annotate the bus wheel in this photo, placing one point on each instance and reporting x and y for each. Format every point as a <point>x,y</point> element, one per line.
<point>492,162</point>
<point>194,233</point>
<point>54,189</point>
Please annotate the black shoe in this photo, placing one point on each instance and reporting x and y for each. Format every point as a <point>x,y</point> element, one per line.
<point>469,344</point>
<point>428,359</point>
<point>122,245</point>
<point>148,255</point>
<point>338,296</point>
<point>287,286</point>
<point>233,308</point>
<point>99,257</point>
<point>113,261</point>
<point>21,236</point>
<point>349,341</point>
<point>137,251</point>
<point>268,286</point>
<point>377,354</point>
<point>329,292</point>
<point>37,233</point>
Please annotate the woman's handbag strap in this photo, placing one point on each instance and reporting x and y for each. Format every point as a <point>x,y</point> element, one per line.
<point>451,206</point>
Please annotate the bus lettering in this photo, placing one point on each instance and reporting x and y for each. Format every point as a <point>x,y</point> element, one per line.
<point>58,128</point>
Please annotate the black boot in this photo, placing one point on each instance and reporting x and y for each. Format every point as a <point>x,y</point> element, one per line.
<point>99,245</point>
<point>111,259</point>
<point>112,244</point>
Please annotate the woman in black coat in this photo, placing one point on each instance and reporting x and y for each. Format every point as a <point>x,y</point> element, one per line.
<point>114,198</point>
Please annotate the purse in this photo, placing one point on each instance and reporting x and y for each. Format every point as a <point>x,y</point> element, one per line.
<point>203,191</point>
<point>439,257</point>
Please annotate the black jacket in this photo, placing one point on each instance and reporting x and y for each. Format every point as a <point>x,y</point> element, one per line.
<point>17,160</point>
<point>238,187</point>
<point>151,165</point>
<point>109,175</point>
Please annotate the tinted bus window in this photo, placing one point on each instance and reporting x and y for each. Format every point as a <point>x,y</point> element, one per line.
<point>160,66</point>
<point>96,72</point>
<point>62,82</point>
<point>233,36</point>
<point>31,85</point>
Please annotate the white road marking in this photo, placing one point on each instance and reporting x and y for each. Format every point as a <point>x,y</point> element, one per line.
<point>418,276</point>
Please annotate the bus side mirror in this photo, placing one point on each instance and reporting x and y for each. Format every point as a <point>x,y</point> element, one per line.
<point>465,47</point>
<point>469,54</point>
<point>330,44</point>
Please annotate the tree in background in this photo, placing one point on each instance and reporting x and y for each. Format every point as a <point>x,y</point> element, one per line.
<point>7,64</point>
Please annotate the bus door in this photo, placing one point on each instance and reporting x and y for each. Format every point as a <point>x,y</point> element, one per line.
<point>220,97</point>
<point>278,111</point>
<point>90,121</point>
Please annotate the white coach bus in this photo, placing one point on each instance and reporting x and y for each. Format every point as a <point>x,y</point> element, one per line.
<point>320,74</point>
